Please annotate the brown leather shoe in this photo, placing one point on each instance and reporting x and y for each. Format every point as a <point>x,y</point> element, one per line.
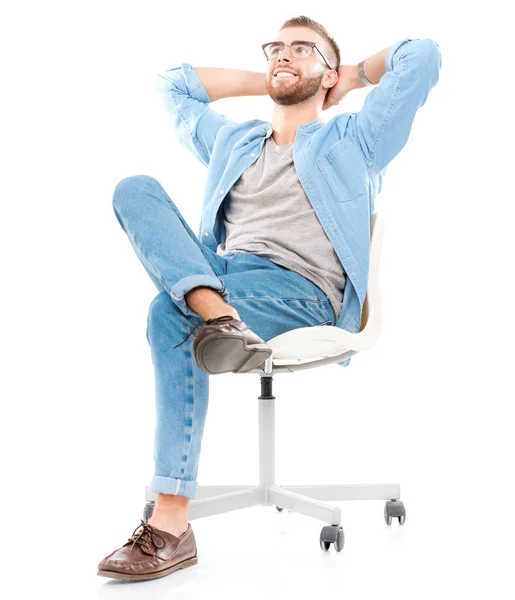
<point>227,344</point>
<point>149,554</point>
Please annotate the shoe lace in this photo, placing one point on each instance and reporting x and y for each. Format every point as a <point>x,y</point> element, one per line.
<point>147,535</point>
<point>208,322</point>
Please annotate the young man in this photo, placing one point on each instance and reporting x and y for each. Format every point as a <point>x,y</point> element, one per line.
<point>283,240</point>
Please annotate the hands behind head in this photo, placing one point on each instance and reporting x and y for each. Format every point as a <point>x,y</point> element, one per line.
<point>341,88</point>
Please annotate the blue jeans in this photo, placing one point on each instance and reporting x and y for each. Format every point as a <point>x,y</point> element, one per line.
<point>268,297</point>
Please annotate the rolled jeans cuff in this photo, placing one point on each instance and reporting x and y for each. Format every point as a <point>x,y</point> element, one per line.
<point>171,485</point>
<point>186,284</point>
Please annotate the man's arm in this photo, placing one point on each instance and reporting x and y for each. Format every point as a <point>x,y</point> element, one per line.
<point>186,98</point>
<point>227,83</point>
<point>374,68</point>
<point>406,72</point>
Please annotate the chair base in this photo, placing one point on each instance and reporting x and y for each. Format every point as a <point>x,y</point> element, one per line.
<point>303,499</point>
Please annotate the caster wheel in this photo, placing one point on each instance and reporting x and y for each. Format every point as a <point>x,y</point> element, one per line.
<point>279,509</point>
<point>332,534</point>
<point>392,509</point>
<point>148,510</point>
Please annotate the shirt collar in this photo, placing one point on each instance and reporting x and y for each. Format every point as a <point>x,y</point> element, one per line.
<point>304,128</point>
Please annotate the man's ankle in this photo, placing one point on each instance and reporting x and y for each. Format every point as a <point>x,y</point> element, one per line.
<point>173,517</point>
<point>208,303</point>
<point>224,311</point>
<point>218,311</point>
<point>173,526</point>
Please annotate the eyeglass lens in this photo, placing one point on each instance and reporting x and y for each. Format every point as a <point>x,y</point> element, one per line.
<point>297,50</point>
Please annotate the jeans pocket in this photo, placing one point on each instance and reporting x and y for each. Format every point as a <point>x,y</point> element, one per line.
<point>232,259</point>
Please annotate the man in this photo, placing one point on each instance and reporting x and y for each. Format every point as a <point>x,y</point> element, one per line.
<point>283,240</point>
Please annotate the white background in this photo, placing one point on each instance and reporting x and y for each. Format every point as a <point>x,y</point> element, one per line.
<point>429,407</point>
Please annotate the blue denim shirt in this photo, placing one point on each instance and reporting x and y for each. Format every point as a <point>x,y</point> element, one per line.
<point>340,163</point>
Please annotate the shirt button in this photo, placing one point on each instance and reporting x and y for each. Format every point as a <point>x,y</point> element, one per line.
<point>252,154</point>
<point>221,191</point>
<point>206,233</point>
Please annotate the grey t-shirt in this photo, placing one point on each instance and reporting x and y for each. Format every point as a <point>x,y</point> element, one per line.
<point>267,212</point>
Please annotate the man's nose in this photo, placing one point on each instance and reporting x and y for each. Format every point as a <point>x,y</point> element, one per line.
<point>283,61</point>
<point>283,58</point>
<point>284,54</point>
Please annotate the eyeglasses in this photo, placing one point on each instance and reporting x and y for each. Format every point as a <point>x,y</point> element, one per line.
<point>298,49</point>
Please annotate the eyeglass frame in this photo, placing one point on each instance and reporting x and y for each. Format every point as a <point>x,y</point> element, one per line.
<point>312,44</point>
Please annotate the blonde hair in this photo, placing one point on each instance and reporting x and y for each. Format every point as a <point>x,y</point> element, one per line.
<point>333,55</point>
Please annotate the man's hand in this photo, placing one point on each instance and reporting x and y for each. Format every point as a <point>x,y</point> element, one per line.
<point>345,84</point>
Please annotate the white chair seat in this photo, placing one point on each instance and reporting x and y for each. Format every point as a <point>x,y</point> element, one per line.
<point>307,344</point>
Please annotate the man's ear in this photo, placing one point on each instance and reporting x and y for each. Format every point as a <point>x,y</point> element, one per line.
<point>333,78</point>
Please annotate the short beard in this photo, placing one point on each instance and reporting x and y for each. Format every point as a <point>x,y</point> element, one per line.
<point>301,90</point>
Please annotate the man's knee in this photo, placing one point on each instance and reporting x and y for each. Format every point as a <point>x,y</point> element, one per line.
<point>126,187</point>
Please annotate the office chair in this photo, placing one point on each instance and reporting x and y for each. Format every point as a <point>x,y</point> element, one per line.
<point>304,348</point>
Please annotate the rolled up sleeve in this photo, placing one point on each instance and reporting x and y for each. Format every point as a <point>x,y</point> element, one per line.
<point>186,101</point>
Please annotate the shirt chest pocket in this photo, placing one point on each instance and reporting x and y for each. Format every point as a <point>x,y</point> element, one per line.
<point>344,170</point>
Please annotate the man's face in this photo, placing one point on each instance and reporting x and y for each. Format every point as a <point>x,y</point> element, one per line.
<point>309,71</point>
